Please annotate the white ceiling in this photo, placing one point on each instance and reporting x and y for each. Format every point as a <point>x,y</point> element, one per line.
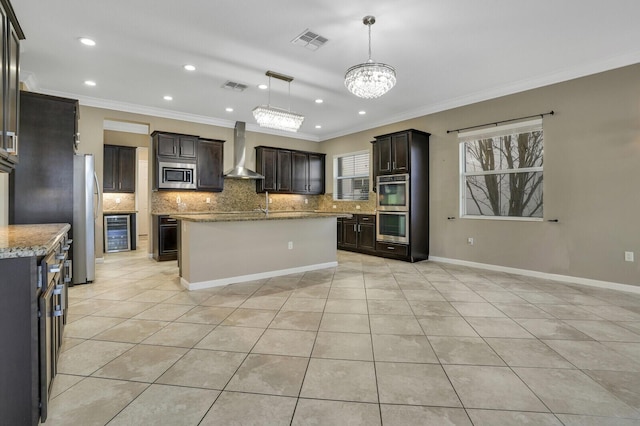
<point>447,53</point>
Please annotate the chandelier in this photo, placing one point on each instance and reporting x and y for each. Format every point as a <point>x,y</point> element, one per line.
<point>371,79</point>
<point>278,118</point>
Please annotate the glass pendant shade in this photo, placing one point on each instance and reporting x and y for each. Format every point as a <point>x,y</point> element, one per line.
<point>277,118</point>
<point>371,79</point>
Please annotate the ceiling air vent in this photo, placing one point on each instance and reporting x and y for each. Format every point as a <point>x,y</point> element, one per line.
<point>232,85</point>
<point>310,40</point>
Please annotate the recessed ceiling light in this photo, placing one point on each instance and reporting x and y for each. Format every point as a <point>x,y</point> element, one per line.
<point>189,67</point>
<point>229,109</point>
<point>318,126</point>
<point>90,83</point>
<point>319,101</point>
<point>362,112</point>
<point>87,41</point>
<point>168,98</point>
<point>263,86</point>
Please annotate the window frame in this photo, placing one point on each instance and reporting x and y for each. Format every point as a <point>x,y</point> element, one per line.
<point>485,134</point>
<point>336,176</point>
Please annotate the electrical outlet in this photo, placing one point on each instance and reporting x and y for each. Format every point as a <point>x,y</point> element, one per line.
<point>208,200</point>
<point>357,207</point>
<point>178,200</point>
<point>270,200</point>
<point>470,241</point>
<point>628,256</point>
<point>118,200</point>
<point>335,207</point>
<point>306,201</point>
<point>290,245</point>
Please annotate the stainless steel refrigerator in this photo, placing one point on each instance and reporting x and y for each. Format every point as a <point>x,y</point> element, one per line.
<point>86,205</point>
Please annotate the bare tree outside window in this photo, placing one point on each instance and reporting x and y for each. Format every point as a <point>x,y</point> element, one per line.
<point>503,173</point>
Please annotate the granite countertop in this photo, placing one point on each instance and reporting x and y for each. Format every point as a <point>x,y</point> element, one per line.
<point>255,215</point>
<point>30,240</point>
<point>108,212</point>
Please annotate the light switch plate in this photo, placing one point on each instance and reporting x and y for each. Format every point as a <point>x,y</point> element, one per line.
<point>628,256</point>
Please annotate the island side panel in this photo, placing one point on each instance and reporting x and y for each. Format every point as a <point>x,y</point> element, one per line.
<point>214,253</point>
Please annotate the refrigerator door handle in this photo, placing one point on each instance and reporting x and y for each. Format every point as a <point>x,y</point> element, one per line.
<point>99,203</point>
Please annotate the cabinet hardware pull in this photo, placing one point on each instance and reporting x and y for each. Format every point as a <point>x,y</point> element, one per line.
<point>354,228</point>
<point>391,248</point>
<point>388,166</point>
<point>359,228</point>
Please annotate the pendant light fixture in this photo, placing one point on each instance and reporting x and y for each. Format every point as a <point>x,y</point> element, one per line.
<point>278,118</point>
<point>371,79</point>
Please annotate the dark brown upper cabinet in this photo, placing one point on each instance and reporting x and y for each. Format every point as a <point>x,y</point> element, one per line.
<point>210,164</point>
<point>11,34</point>
<point>176,146</point>
<point>275,165</point>
<point>307,173</point>
<point>119,173</point>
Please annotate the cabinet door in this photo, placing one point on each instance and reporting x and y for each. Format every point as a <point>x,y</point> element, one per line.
<point>266,164</point>
<point>350,233</point>
<point>126,169</point>
<point>383,165</point>
<point>367,236</point>
<point>400,153</point>
<point>188,146</point>
<point>340,237</point>
<point>283,171</point>
<point>316,174</point>
<point>13,93</point>
<point>210,165</point>
<point>299,172</point>
<point>167,145</point>
<point>110,173</point>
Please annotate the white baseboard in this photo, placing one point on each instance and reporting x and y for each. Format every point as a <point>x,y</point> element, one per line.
<point>252,277</point>
<point>564,278</point>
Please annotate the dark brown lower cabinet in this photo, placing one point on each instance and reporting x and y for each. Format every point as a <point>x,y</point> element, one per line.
<point>165,238</point>
<point>32,318</point>
<point>357,233</point>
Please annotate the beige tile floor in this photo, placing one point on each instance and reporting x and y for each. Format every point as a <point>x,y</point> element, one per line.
<point>372,341</point>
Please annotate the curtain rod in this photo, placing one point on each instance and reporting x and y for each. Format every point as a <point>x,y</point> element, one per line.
<point>500,122</point>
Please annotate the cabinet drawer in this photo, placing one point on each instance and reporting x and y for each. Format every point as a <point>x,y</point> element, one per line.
<point>366,218</point>
<point>395,249</point>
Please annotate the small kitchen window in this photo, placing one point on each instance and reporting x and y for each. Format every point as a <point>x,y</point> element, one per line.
<point>351,176</point>
<point>501,172</point>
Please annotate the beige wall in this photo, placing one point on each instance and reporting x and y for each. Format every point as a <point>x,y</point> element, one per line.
<point>591,180</point>
<point>4,196</point>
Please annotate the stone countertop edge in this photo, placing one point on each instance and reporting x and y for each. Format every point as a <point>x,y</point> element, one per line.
<point>108,212</point>
<point>30,240</point>
<point>253,215</point>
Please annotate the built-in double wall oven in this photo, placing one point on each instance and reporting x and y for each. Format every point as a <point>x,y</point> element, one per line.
<point>392,224</point>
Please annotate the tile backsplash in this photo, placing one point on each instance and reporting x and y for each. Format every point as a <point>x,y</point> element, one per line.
<point>127,201</point>
<point>240,195</point>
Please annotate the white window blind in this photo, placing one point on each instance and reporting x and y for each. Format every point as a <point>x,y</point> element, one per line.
<point>501,171</point>
<point>351,176</point>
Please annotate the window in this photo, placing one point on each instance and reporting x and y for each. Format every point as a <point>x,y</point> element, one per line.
<point>502,171</point>
<point>351,176</point>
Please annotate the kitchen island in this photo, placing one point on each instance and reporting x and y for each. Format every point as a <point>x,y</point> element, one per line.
<point>231,247</point>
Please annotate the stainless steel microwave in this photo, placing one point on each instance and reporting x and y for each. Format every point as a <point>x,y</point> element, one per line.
<point>176,175</point>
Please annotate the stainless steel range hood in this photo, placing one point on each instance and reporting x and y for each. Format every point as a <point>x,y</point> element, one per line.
<point>239,171</point>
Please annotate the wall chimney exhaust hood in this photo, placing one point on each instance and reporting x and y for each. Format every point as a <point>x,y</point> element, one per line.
<point>239,171</point>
